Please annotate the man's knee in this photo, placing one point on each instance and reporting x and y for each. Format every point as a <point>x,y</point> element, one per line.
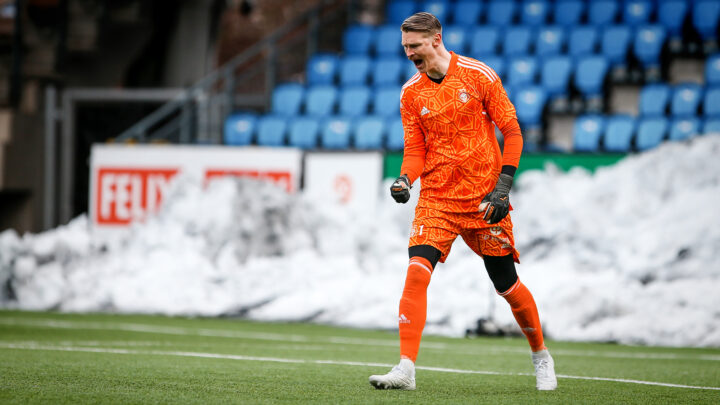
<point>429,253</point>
<point>501,270</point>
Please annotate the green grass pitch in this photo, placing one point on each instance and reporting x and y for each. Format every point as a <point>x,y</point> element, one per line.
<point>56,358</point>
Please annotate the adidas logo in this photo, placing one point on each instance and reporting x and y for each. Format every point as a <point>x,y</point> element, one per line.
<point>403,319</point>
<point>424,111</point>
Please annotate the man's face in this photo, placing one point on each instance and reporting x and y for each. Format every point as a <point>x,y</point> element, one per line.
<point>418,48</point>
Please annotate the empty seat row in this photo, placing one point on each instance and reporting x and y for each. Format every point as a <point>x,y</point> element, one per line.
<point>328,68</point>
<point>291,99</point>
<point>680,100</point>
<point>335,132</point>
<point>624,133</point>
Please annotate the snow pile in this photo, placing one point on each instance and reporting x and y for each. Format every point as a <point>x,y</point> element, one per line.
<point>629,254</point>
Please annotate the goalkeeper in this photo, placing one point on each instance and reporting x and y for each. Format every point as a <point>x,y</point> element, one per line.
<point>449,111</point>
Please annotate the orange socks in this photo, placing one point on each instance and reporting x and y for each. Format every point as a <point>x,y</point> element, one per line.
<point>526,314</point>
<point>413,306</point>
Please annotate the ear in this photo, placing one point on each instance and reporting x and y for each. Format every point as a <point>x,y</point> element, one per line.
<point>437,40</point>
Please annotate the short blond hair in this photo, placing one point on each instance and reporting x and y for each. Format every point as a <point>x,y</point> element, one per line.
<point>422,22</point>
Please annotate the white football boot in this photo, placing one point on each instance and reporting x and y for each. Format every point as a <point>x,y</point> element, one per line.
<point>544,370</point>
<point>401,377</point>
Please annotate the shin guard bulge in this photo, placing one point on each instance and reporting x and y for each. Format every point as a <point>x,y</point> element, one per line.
<point>526,314</point>
<point>413,306</point>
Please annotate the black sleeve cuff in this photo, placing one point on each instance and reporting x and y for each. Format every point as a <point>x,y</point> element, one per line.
<point>509,170</point>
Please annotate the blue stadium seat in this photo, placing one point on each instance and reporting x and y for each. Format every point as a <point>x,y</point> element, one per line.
<point>322,68</point>
<point>455,38</point>
<point>602,12</point>
<point>335,133</point>
<point>287,98</point>
<point>619,131</point>
<point>647,47</point>
<point>388,40</point>
<point>409,71</point>
<point>303,132</point>
<point>555,76</point>
<point>568,12</point>
<point>685,100</point>
<point>534,12</point>
<point>550,41</point>
<point>516,41</point>
<point>651,132</point>
<point>354,70</point>
<point>354,101</point>
<point>582,41</point>
<point>386,101</point>
<point>684,128</point>
<point>467,12</point>
<point>522,70</point>
<point>711,126</point>
<point>501,13</point>
<point>712,70</point>
<point>705,15</point>
<point>529,104</point>
<point>271,130</point>
<point>484,41</point>
<point>636,12</point>
<point>438,8</point>
<point>396,136</point>
<point>497,63</point>
<point>387,71</point>
<point>590,77</point>
<point>615,43</point>
<point>369,132</point>
<point>587,131</point>
<point>654,100</point>
<point>672,15</point>
<point>240,128</point>
<point>711,103</point>
<point>398,10</point>
<point>358,39</point>
<point>320,100</point>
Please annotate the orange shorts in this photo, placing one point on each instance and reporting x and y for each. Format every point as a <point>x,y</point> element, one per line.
<point>440,229</point>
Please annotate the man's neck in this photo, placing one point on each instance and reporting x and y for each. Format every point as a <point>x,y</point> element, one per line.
<point>440,65</point>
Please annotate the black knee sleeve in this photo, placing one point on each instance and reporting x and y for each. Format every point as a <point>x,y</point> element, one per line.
<point>428,252</point>
<point>501,270</point>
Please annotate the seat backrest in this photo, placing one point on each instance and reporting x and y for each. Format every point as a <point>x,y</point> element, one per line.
<point>568,12</point>
<point>386,101</point>
<point>303,132</point>
<point>654,100</point>
<point>369,132</point>
<point>522,70</point>
<point>387,71</point>
<point>529,104</point>
<point>615,43</point>
<point>320,100</point>
<point>354,70</point>
<point>602,12</point>
<point>637,11</point>
<point>358,39</point>
<point>354,101</point>
<point>587,131</point>
<point>712,70</point>
<point>287,98</point>
<point>516,41</point>
<point>395,136</point>
<point>671,15</point>
<point>590,74</point>
<point>388,41</point>
<point>335,133</point>
<point>582,40</point>
<point>534,12</point>
<point>501,13</point>
<point>711,103</point>
<point>550,40</point>
<point>496,63</point>
<point>711,126</point>
<point>271,130</point>
<point>239,128</point>
<point>649,41</point>
<point>484,41</point>
<point>555,75</point>
<point>619,131</point>
<point>438,8</point>
<point>685,100</point>
<point>455,38</point>
<point>322,69</point>
<point>397,11</point>
<point>651,132</point>
<point>467,12</point>
<point>705,18</point>
<point>684,128</point>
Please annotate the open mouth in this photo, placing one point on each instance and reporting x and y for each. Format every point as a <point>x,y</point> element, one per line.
<point>418,63</point>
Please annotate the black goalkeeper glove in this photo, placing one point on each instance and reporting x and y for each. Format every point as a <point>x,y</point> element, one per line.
<point>497,203</point>
<point>400,189</point>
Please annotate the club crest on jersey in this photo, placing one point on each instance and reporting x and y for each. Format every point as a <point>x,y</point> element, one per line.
<point>463,96</point>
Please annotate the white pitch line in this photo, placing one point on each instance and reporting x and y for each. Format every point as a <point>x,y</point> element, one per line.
<point>332,362</point>
<point>340,340</point>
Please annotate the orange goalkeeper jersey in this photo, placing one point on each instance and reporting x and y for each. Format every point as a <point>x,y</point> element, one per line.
<point>450,134</point>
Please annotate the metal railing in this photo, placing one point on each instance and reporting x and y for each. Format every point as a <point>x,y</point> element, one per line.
<point>197,115</point>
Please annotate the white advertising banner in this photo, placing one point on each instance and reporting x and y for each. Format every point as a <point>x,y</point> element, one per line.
<point>129,181</point>
<point>350,179</point>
